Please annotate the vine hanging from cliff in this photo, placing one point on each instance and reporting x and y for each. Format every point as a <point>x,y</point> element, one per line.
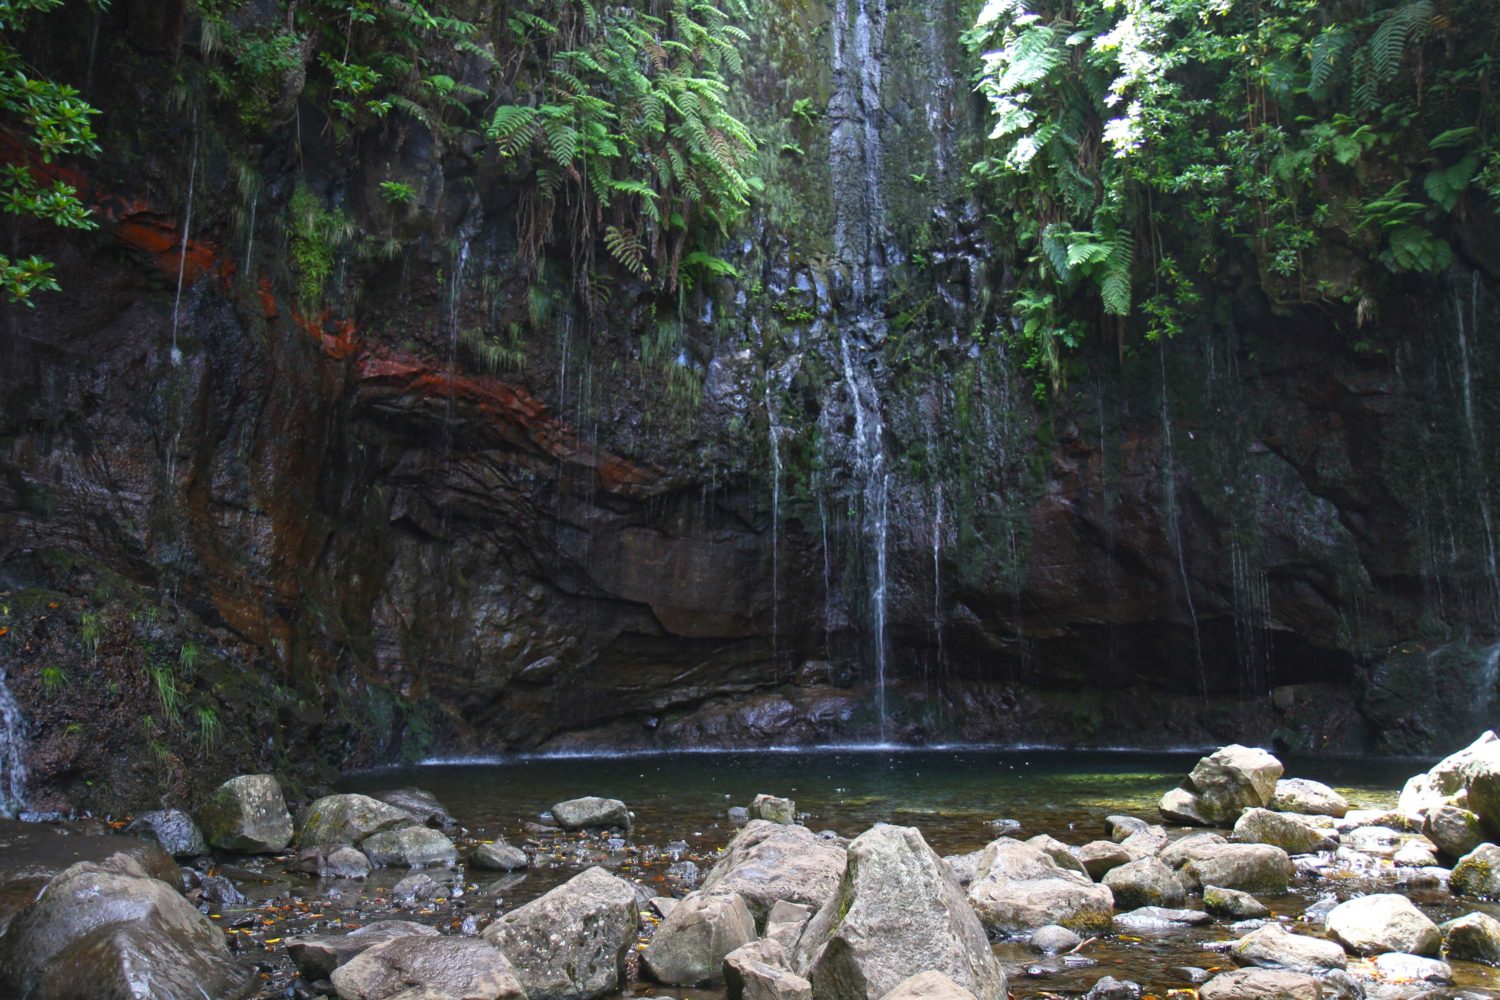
<point>622,123</point>
<point>1134,139</point>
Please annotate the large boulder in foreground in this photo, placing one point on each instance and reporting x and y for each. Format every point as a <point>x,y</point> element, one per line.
<point>347,819</point>
<point>1455,831</point>
<point>767,862</point>
<point>1385,922</point>
<point>1146,882</point>
<point>897,908</point>
<point>118,932</point>
<point>690,945</point>
<point>1447,783</point>
<point>571,943</point>
<point>428,968</point>
<point>1222,785</point>
<point>591,813</point>
<point>1020,888</point>
<point>247,814</point>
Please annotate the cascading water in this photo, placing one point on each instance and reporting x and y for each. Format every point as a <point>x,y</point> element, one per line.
<point>856,157</point>
<point>1481,479</point>
<point>773,433</point>
<point>187,232</point>
<point>1174,520</point>
<point>12,753</point>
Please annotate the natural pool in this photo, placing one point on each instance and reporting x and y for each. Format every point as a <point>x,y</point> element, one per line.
<point>952,795</point>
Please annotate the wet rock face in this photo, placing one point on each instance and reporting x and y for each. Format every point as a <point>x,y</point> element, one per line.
<point>247,814</point>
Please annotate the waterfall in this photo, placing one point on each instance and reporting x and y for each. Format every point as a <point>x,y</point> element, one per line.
<point>1174,520</point>
<point>856,158</point>
<point>1480,480</point>
<point>937,573</point>
<point>187,232</point>
<point>772,432</point>
<point>12,753</point>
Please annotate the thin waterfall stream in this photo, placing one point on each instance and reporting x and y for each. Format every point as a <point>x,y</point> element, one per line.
<point>12,753</point>
<point>856,154</point>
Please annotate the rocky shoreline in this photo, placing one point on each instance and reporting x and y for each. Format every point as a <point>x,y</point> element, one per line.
<point>406,902</point>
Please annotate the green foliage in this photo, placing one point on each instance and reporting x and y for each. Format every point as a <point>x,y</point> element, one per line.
<point>397,192</point>
<point>622,112</point>
<point>208,726</point>
<point>49,120</point>
<point>316,233</point>
<point>187,658</point>
<point>54,679</point>
<point>1132,142</point>
<point>91,631</point>
<point>167,692</point>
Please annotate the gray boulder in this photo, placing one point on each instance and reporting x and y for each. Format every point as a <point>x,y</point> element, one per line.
<point>317,955</point>
<point>1292,833</point>
<point>773,809</point>
<point>1455,831</point>
<point>1376,841</point>
<point>929,985</point>
<point>1118,827</point>
<point>1146,843</point>
<point>247,814</point>
<point>1146,882</point>
<point>760,971</point>
<point>1181,851</point>
<point>1274,947</point>
<point>422,806</point>
<point>1311,798</point>
<point>1261,984</point>
<point>1099,857</point>
<point>690,945</point>
<point>1053,940</point>
<point>591,813</point>
<point>1019,888</point>
<point>785,923</point>
<point>429,968</point>
<point>1472,938</point>
<point>1477,874</point>
<point>1233,904</point>
<point>332,861</point>
<point>1413,968</point>
<point>1414,854</point>
<point>1484,786</point>
<point>1223,784</point>
<point>897,908</point>
<point>1050,846</point>
<point>116,932</point>
<point>174,829</point>
<point>1384,922</point>
<point>1256,868</point>
<point>498,857</point>
<point>766,862</point>
<point>409,847</point>
<point>1447,783</point>
<point>571,943</point>
<point>346,819</point>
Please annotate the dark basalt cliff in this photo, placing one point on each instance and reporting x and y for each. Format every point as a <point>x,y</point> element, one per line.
<point>336,540</point>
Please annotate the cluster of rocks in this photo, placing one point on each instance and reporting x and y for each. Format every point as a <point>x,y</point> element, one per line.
<point>789,914</point>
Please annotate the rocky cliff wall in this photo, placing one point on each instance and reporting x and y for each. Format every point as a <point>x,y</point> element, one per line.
<point>323,541</point>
